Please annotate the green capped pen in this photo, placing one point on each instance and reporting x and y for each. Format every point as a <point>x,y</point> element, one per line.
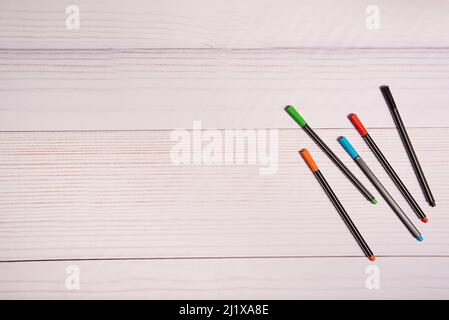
<point>303,124</point>
<point>296,116</point>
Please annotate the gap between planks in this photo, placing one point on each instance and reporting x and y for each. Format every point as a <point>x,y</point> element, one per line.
<point>219,258</point>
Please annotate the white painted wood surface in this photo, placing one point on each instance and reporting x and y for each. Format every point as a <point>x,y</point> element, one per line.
<point>111,202</point>
<point>223,24</point>
<point>160,89</point>
<point>116,194</point>
<point>273,278</point>
<point>228,63</point>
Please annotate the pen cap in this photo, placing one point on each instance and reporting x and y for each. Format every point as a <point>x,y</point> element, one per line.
<point>348,147</point>
<point>388,96</point>
<point>295,115</point>
<point>309,160</point>
<point>357,124</point>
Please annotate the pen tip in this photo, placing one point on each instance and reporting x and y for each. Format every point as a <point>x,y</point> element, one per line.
<point>373,201</point>
<point>425,220</point>
<point>420,238</point>
<point>372,258</point>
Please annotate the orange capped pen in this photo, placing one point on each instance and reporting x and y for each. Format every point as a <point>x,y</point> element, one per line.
<point>309,160</point>
<point>337,204</point>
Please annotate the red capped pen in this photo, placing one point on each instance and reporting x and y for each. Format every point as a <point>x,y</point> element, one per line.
<point>387,166</point>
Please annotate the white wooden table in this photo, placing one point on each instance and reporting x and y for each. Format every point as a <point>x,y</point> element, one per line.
<point>86,179</point>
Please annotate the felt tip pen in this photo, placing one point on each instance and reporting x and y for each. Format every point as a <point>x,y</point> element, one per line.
<point>337,204</point>
<point>407,144</point>
<point>303,124</point>
<point>388,198</point>
<point>387,166</point>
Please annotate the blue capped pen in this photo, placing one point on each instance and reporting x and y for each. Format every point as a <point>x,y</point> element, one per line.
<point>387,197</point>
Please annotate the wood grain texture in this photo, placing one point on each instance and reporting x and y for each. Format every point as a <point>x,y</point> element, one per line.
<point>116,194</point>
<point>292,278</point>
<point>223,24</point>
<point>161,89</point>
<point>214,231</point>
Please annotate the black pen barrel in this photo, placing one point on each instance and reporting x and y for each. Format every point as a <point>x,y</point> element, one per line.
<point>344,215</point>
<point>408,144</point>
<point>388,198</point>
<point>338,163</point>
<point>394,176</point>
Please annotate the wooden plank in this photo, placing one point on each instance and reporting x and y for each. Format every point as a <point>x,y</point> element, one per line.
<point>104,194</point>
<point>223,24</point>
<point>325,278</point>
<point>161,89</point>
